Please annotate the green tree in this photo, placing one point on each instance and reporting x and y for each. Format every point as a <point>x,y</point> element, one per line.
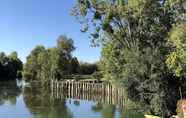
<point>65,46</point>
<point>33,67</point>
<point>176,60</point>
<point>134,36</point>
<point>53,63</point>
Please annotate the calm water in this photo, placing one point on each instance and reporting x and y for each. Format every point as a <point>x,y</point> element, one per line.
<point>33,101</point>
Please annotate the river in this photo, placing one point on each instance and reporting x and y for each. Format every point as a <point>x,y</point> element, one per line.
<point>35,101</point>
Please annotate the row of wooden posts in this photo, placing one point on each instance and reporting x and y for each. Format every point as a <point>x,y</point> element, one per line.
<point>98,92</point>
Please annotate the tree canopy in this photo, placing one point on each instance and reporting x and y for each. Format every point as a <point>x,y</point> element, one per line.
<point>10,66</point>
<point>143,47</point>
<point>56,62</point>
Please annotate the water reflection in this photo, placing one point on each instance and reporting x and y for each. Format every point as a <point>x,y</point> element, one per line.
<point>35,101</point>
<point>110,111</point>
<point>108,103</point>
<point>40,104</point>
<point>9,91</point>
<point>107,111</point>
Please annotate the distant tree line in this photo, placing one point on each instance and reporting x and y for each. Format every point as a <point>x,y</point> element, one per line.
<point>10,66</point>
<point>87,68</point>
<point>56,62</point>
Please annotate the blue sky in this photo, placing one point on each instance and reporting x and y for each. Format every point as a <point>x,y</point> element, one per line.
<point>27,23</point>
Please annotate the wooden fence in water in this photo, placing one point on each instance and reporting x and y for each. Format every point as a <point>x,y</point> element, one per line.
<point>98,92</point>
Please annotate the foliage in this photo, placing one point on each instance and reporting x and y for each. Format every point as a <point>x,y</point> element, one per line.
<point>86,68</point>
<point>33,67</point>
<point>176,60</point>
<point>10,66</point>
<point>49,63</point>
<point>55,63</point>
<point>97,75</point>
<point>135,36</point>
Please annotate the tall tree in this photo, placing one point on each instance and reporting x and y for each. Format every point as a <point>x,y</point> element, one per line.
<point>65,46</point>
<point>134,36</point>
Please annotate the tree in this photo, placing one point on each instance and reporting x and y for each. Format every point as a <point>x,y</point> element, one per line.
<point>53,63</point>
<point>17,64</point>
<point>10,66</point>
<point>134,36</point>
<point>74,65</point>
<point>176,60</point>
<point>86,68</point>
<point>65,46</point>
<point>33,67</point>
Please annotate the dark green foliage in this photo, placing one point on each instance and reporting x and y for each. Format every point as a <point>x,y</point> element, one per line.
<point>10,66</point>
<point>74,66</point>
<point>87,69</point>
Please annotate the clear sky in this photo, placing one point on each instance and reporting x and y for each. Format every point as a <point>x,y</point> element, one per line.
<point>27,23</point>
